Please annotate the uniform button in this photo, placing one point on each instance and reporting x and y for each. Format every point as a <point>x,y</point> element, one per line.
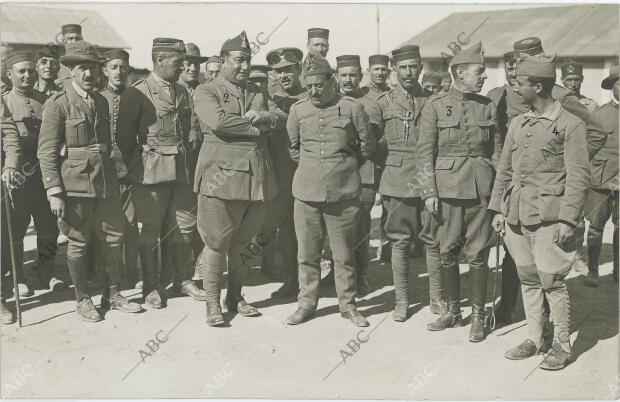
<point>31,110</point>
<point>320,120</point>
<point>322,143</point>
<point>522,176</point>
<point>522,184</point>
<point>115,106</point>
<point>322,152</point>
<point>525,146</point>
<point>529,134</point>
<point>321,127</point>
<point>27,102</point>
<point>321,135</point>
<point>116,99</point>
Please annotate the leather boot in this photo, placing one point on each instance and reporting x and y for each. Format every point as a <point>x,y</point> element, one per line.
<point>510,290</point>
<point>78,271</point>
<point>594,251</point>
<point>400,273</point>
<point>478,288</point>
<point>6,315</point>
<point>452,283</point>
<point>150,287</point>
<point>615,244</point>
<point>185,270</point>
<point>437,299</point>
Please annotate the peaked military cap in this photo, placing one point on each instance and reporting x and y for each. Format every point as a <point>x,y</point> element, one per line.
<point>284,56</point>
<point>316,65</point>
<point>259,71</point>
<point>348,60</point>
<point>71,28</point>
<point>168,45</point>
<point>378,59</point>
<point>51,50</point>
<point>431,77</point>
<point>318,33</point>
<point>81,52</point>
<point>531,46</point>
<point>540,66</point>
<point>471,55</point>
<point>610,81</point>
<point>17,57</point>
<point>571,69</point>
<point>406,53</point>
<point>116,54</point>
<point>192,52</point>
<point>239,43</point>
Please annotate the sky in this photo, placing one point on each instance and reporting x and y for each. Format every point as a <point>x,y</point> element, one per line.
<point>353,27</point>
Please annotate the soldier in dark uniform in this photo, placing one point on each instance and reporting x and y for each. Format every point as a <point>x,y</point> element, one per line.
<point>234,176</point>
<point>349,76</point>
<point>46,60</point>
<point>28,198</point>
<point>116,69</point>
<point>572,78</point>
<point>602,199</point>
<point>153,136</point>
<point>460,142</point>
<point>78,174</point>
<point>327,130</point>
<point>213,67</point>
<point>286,65</point>
<point>11,156</point>
<point>539,191</point>
<point>431,82</point>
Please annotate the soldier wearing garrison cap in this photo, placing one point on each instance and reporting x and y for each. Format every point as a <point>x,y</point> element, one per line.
<point>572,78</point>
<point>79,176</point>
<point>235,174</point>
<point>46,61</point>
<point>317,45</point>
<point>153,135</point>
<point>460,143</point>
<point>539,191</point>
<point>28,199</point>
<point>285,90</point>
<point>349,73</point>
<point>327,131</point>
<point>602,199</point>
<point>378,68</point>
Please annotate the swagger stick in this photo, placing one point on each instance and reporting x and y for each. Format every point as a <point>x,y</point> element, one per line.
<point>12,247</point>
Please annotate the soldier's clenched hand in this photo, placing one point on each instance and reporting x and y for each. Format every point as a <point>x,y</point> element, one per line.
<point>257,118</point>
<point>12,178</point>
<point>563,235</point>
<point>57,205</point>
<point>432,204</point>
<point>498,223</point>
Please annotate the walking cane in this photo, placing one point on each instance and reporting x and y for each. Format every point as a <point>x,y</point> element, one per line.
<point>12,248</point>
<point>497,245</point>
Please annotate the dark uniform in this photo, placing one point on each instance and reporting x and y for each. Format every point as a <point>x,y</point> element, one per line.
<point>602,200</point>
<point>234,177</point>
<point>29,198</point>
<point>74,149</point>
<point>326,187</point>
<point>460,142</point>
<point>153,136</point>
<point>541,184</point>
<point>279,214</point>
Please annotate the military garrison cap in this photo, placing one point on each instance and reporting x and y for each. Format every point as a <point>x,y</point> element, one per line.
<point>540,66</point>
<point>50,50</point>
<point>116,54</point>
<point>237,44</point>
<point>316,65</point>
<point>571,69</point>
<point>531,46</point>
<point>406,53</point>
<point>168,45</point>
<point>17,57</point>
<point>284,56</point>
<point>348,60</point>
<point>610,81</point>
<point>471,55</point>
<point>378,59</point>
<point>71,28</point>
<point>318,33</point>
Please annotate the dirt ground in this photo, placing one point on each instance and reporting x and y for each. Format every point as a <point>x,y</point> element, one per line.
<point>172,353</point>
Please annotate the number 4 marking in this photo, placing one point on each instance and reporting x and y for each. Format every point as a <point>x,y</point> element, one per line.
<point>555,131</point>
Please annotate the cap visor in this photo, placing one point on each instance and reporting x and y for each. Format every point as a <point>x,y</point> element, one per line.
<point>608,83</point>
<point>72,60</point>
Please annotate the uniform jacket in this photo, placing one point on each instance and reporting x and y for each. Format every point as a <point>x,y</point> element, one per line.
<point>369,171</point>
<point>373,91</point>
<point>234,161</point>
<point>543,174</point>
<point>325,142</point>
<point>604,165</point>
<point>401,167</point>
<point>590,104</point>
<point>11,143</point>
<point>50,90</point>
<point>74,146</point>
<point>509,104</point>
<point>279,141</point>
<point>153,131</point>
<point>114,99</point>
<point>459,145</point>
<point>195,135</point>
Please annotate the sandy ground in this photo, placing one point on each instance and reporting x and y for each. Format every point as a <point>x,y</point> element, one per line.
<point>55,355</point>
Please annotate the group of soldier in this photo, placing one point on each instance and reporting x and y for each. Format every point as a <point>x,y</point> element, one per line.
<point>300,149</point>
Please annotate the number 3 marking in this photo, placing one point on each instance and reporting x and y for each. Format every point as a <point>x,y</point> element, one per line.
<point>449,113</point>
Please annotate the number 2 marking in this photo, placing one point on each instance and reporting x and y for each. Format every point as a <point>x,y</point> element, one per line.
<point>226,97</point>
<point>449,112</point>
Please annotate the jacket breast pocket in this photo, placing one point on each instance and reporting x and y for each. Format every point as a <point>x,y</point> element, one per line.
<point>444,164</point>
<point>230,104</point>
<point>550,201</point>
<point>160,164</point>
<point>394,160</point>
<point>553,154</point>
<point>75,175</point>
<point>449,131</point>
<point>485,129</point>
<point>340,123</point>
<point>76,132</point>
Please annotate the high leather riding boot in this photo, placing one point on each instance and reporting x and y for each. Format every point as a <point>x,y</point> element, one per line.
<point>150,288</point>
<point>478,288</point>
<point>400,272</point>
<point>451,280</point>
<point>510,290</point>
<point>435,284</point>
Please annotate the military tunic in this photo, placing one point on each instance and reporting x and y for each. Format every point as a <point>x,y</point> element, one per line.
<point>327,184</point>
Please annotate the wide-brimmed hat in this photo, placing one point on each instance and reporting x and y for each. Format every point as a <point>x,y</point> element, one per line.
<point>81,52</point>
<point>608,83</point>
<point>192,53</point>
